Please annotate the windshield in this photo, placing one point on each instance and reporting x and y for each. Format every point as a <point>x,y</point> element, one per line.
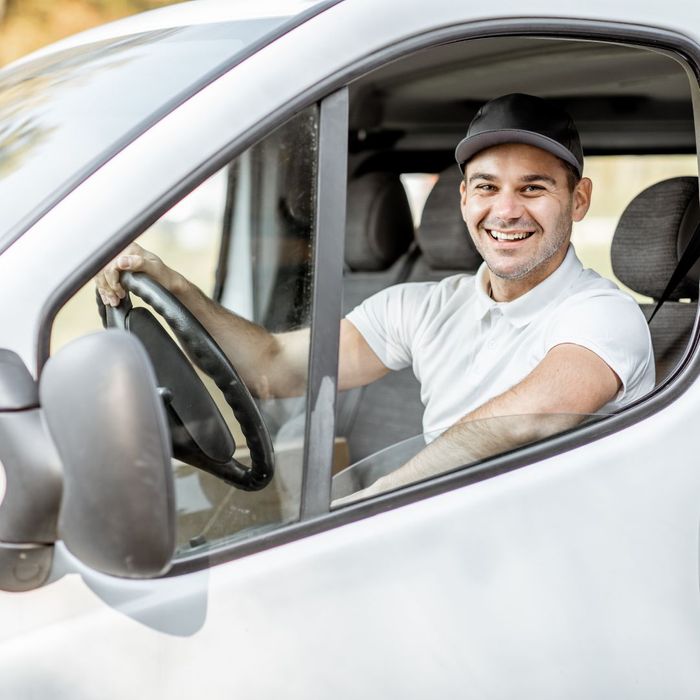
<point>63,115</point>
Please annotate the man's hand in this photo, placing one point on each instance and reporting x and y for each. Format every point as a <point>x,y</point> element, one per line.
<point>271,365</point>
<point>135,259</point>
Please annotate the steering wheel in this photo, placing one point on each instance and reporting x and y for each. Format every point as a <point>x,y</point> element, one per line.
<point>200,435</point>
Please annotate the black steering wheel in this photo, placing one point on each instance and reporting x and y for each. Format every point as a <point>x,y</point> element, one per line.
<point>200,435</point>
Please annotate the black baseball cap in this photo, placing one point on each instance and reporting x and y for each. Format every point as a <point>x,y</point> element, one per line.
<point>519,118</point>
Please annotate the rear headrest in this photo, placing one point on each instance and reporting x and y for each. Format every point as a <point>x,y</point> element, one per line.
<point>379,225</point>
<point>442,236</point>
<point>651,236</point>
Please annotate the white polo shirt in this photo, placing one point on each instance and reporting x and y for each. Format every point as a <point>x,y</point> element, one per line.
<point>465,348</point>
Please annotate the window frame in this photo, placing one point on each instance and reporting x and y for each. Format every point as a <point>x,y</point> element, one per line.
<point>688,55</point>
<point>320,425</point>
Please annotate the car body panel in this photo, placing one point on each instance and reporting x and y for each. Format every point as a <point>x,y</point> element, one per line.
<point>525,584</point>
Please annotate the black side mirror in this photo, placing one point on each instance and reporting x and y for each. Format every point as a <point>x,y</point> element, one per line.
<point>30,481</point>
<point>99,399</point>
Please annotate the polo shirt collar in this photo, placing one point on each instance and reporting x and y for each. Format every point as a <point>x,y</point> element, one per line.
<point>522,310</point>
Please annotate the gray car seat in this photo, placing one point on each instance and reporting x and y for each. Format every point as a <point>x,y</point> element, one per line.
<point>445,244</point>
<point>650,237</point>
<point>390,410</point>
<point>379,252</point>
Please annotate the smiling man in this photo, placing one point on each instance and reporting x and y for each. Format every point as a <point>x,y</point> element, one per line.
<point>531,333</point>
<point>523,190</point>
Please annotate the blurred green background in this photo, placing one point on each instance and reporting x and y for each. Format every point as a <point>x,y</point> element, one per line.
<point>26,25</point>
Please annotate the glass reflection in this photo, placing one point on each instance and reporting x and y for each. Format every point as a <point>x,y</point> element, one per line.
<point>63,115</point>
<point>27,93</point>
<point>471,443</point>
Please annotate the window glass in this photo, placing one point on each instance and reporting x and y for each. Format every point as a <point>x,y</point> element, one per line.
<point>264,203</point>
<point>477,444</point>
<point>63,112</point>
<point>447,347</point>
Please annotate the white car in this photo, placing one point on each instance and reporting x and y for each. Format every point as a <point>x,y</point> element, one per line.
<point>162,533</point>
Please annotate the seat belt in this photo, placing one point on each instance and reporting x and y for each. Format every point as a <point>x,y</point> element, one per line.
<point>688,259</point>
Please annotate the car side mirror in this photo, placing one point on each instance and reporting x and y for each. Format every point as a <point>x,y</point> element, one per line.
<point>107,421</point>
<point>31,482</point>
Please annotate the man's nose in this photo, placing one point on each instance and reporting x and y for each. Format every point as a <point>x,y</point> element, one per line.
<point>507,205</point>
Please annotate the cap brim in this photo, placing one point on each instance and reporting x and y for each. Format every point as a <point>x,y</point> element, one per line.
<point>471,145</point>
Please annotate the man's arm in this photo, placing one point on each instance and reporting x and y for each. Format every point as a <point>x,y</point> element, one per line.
<point>357,363</point>
<point>571,380</point>
<point>271,364</point>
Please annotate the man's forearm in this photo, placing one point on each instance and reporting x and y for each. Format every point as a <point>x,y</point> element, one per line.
<point>270,364</point>
<point>469,441</point>
<point>473,439</point>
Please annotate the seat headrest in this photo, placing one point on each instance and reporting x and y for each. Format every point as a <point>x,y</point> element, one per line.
<point>379,225</point>
<point>651,236</point>
<point>442,236</point>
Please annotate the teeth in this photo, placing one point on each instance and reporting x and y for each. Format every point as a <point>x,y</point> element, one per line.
<point>503,236</point>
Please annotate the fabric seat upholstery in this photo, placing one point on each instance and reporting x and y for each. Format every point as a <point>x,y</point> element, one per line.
<point>378,241</point>
<point>650,238</point>
<point>445,244</point>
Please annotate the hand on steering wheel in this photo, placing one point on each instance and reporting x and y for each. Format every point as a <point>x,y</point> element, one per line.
<point>200,434</point>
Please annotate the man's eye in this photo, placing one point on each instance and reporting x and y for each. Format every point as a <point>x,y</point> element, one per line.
<point>485,187</point>
<point>533,188</point>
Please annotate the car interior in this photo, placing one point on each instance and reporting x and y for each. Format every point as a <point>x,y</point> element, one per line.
<point>633,109</point>
<point>409,115</point>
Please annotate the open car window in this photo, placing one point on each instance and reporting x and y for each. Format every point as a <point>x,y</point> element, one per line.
<point>640,154</point>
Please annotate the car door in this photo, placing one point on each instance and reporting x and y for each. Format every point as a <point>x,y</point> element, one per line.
<point>73,596</point>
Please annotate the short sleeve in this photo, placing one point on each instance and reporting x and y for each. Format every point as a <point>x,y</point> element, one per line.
<point>390,320</point>
<point>610,324</point>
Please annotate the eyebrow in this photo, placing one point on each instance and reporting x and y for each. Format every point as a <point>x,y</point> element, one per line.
<point>482,176</point>
<point>534,177</point>
<point>537,176</point>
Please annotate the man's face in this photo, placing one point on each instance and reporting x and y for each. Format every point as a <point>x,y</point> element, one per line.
<point>519,210</point>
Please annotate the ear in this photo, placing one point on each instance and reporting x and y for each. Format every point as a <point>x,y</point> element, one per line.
<point>463,199</point>
<point>581,198</point>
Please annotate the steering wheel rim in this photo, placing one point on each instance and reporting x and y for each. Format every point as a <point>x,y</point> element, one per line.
<point>207,354</point>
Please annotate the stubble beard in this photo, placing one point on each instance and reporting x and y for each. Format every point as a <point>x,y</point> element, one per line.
<point>542,256</point>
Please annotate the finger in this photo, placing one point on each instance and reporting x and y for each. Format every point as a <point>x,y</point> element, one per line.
<point>109,298</point>
<point>103,288</point>
<point>144,262</point>
<point>113,286</point>
<point>133,262</point>
<point>133,249</point>
<point>108,281</point>
<point>103,297</point>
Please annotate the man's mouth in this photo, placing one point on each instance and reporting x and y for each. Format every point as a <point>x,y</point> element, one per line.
<point>509,235</point>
